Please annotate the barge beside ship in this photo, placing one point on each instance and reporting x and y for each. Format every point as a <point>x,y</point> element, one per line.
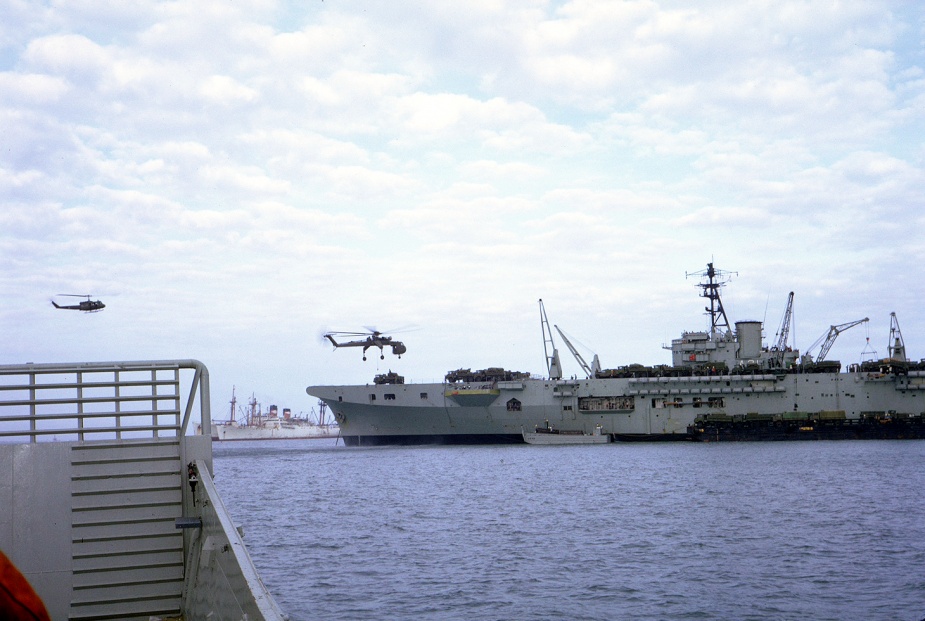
<point>722,384</point>
<point>806,426</point>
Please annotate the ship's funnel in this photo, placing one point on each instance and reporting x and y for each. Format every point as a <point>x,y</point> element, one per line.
<point>748,335</point>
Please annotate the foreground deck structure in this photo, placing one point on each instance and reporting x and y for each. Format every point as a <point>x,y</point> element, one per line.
<point>106,505</point>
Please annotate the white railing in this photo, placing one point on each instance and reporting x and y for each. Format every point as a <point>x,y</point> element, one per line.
<point>81,401</point>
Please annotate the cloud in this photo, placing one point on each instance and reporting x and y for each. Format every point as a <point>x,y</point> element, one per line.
<point>223,90</point>
<point>73,56</point>
<point>35,89</point>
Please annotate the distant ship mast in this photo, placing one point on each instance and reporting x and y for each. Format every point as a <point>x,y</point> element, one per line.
<point>715,279</point>
<point>234,402</point>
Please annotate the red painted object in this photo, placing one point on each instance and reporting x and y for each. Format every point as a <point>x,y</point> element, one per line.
<point>18,601</point>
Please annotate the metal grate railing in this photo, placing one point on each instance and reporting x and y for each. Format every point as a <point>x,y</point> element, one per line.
<point>104,400</point>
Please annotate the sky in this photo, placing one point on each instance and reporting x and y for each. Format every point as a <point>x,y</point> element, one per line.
<point>235,178</point>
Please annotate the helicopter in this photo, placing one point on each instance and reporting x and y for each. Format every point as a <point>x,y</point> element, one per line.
<point>374,338</point>
<point>87,306</point>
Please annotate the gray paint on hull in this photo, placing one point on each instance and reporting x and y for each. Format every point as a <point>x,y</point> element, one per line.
<point>662,406</point>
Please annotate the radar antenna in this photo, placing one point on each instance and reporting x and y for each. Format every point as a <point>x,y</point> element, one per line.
<point>715,279</point>
<point>553,365</point>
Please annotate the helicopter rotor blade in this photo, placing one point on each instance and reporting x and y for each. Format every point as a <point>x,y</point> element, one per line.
<point>399,330</point>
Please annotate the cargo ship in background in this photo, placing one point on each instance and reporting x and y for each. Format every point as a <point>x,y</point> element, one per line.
<point>253,424</point>
<point>722,384</point>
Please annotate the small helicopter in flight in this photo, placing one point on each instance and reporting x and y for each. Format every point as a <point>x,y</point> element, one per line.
<point>87,306</point>
<point>374,338</point>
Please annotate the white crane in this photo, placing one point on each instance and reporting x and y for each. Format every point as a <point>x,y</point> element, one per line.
<point>553,364</point>
<point>897,347</point>
<point>780,349</point>
<point>590,371</point>
<point>828,339</point>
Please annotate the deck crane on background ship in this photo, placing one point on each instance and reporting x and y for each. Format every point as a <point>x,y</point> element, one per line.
<point>553,364</point>
<point>896,348</point>
<point>828,340</point>
<point>590,371</point>
<point>780,348</point>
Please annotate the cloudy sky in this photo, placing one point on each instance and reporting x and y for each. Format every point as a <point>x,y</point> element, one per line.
<point>233,178</point>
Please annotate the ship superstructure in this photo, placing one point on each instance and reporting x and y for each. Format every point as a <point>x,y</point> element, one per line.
<point>254,424</point>
<point>720,374</point>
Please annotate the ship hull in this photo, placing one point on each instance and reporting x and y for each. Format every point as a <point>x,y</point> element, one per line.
<point>635,408</point>
<point>229,433</point>
<point>430,439</point>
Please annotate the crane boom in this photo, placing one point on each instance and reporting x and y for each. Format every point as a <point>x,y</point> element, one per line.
<point>828,339</point>
<point>553,365</point>
<point>781,347</point>
<point>581,361</point>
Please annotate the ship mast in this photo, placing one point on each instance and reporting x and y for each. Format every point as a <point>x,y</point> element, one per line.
<point>715,279</point>
<point>234,401</point>
<point>253,416</point>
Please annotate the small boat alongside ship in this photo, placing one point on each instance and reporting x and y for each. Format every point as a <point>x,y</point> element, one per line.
<point>253,424</point>
<point>550,436</point>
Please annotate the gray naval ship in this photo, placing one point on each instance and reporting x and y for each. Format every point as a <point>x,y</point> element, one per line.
<point>722,384</point>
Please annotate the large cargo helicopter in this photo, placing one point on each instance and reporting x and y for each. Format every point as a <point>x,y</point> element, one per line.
<point>374,338</point>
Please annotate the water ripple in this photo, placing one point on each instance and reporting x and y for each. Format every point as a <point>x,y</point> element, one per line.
<point>827,530</point>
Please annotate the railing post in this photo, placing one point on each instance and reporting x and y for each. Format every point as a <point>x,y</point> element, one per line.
<point>205,402</point>
<point>176,402</point>
<point>32,425</point>
<point>154,414</point>
<point>118,405</point>
<point>80,405</point>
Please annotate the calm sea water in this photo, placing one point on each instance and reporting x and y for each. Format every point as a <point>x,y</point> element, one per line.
<point>778,530</point>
